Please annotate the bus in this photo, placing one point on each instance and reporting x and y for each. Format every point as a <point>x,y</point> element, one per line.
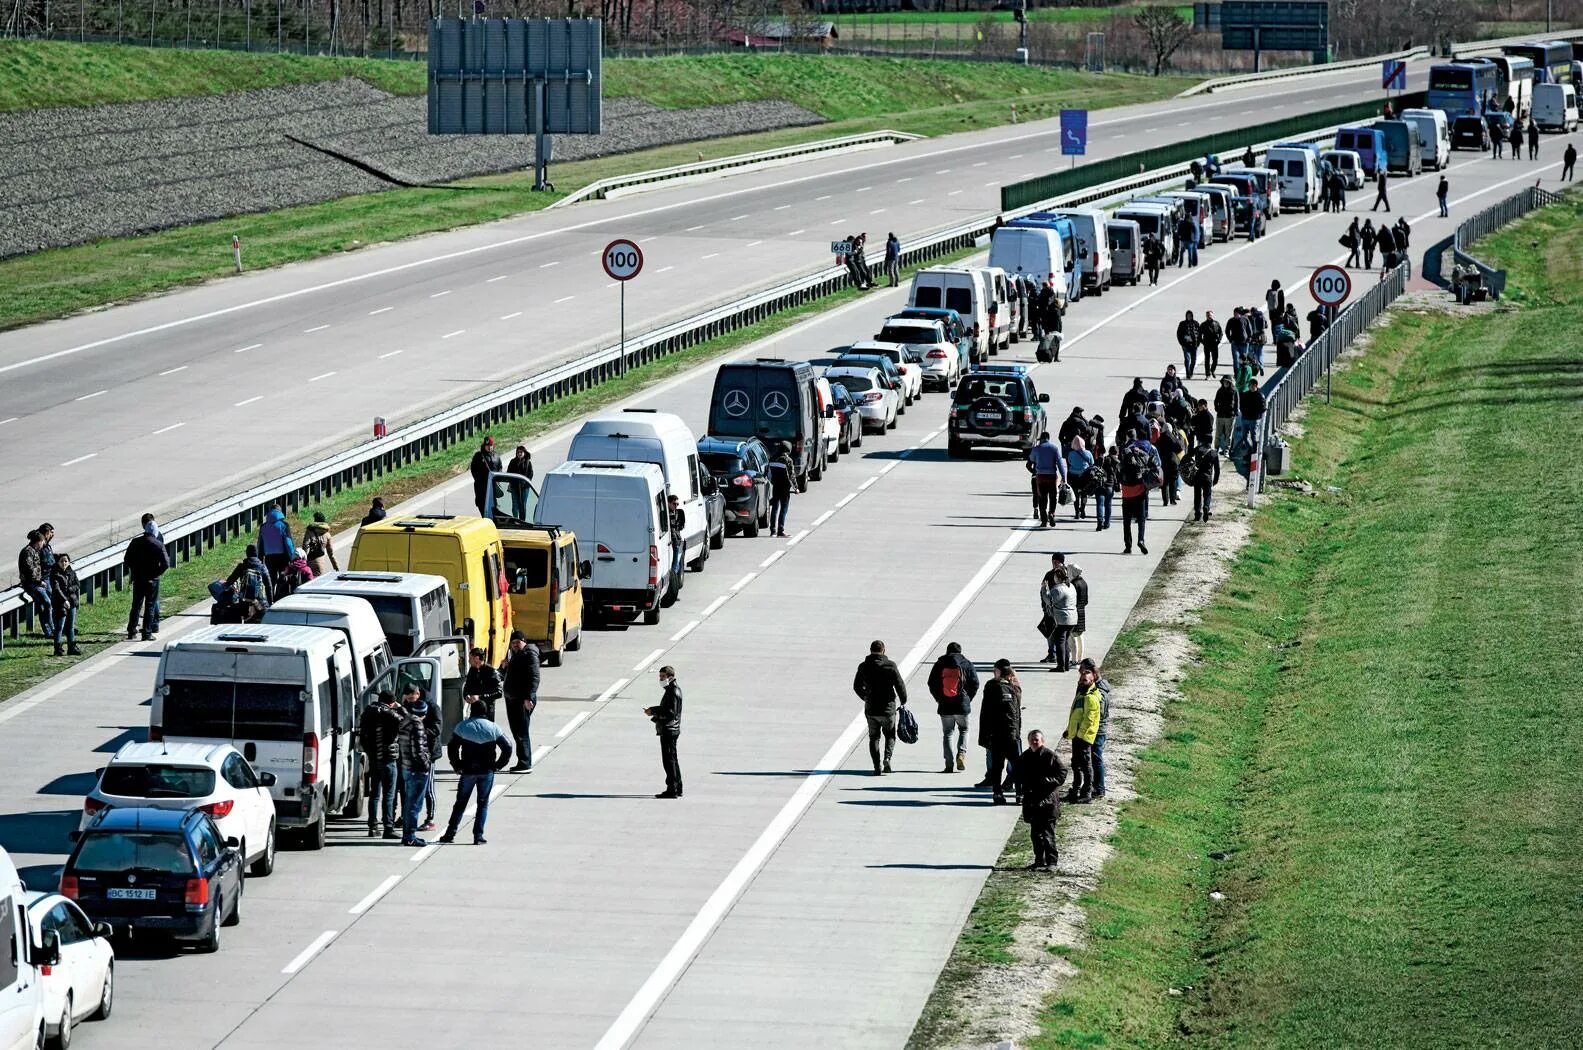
<point>1552,59</point>
<point>1514,87</point>
<point>1461,88</point>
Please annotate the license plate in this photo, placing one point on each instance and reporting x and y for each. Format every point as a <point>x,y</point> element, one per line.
<point>988,417</point>
<point>130,895</point>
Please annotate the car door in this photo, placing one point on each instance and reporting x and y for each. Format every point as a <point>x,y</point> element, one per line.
<point>59,979</point>
<point>251,799</point>
<point>80,955</point>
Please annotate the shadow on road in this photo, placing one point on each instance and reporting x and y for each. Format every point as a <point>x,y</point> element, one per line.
<point>44,832</point>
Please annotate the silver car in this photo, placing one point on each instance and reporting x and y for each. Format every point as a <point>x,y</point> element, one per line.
<point>941,363</point>
<point>878,402</point>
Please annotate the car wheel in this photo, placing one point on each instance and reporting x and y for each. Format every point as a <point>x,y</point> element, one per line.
<point>892,424</point>
<point>234,916</point>
<point>552,658</point>
<point>266,864</point>
<point>697,564</point>
<point>354,805</point>
<point>857,439</point>
<point>63,1032</point>
<point>106,996</point>
<point>211,944</point>
<point>313,835</point>
<point>718,540</point>
<point>955,449</point>
<point>652,616</point>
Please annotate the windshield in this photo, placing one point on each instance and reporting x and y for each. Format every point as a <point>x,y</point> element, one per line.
<point>895,355</point>
<point>395,619</point>
<point>134,851</point>
<point>909,334</point>
<point>959,299</point>
<point>722,463</point>
<point>233,711</point>
<point>857,383</point>
<point>131,781</point>
<point>1442,79</point>
<point>983,386</point>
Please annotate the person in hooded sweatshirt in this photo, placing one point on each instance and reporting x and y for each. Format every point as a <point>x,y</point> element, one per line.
<point>251,579</point>
<point>953,683</point>
<point>478,750</point>
<point>416,764</point>
<point>317,546</point>
<point>275,544</point>
<point>1097,752</point>
<point>880,686</point>
<point>146,560</point>
<point>1133,401</point>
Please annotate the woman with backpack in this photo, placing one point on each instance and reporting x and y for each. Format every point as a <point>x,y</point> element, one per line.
<point>1138,471</point>
<point>1060,605</point>
<point>64,592</point>
<point>1079,462</point>
<point>1201,469</point>
<point>317,546</point>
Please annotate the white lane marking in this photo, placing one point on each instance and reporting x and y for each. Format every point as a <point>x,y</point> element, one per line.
<point>711,255</point>
<point>744,581</point>
<point>782,207</point>
<point>245,349</point>
<point>500,789</point>
<point>173,371</point>
<point>503,276</point>
<point>79,459</point>
<point>546,266</point>
<point>9,419</point>
<point>306,955</point>
<point>686,630</point>
<point>1147,131</point>
<point>452,335</point>
<point>980,164</point>
<point>796,232</point>
<point>541,751</point>
<point>249,401</point>
<point>643,664</point>
<point>862,189</point>
<point>876,211</point>
<point>508,317</point>
<point>645,240</point>
<point>844,500</point>
<point>737,218</point>
<point>1015,156</point>
<point>662,269</point>
<point>725,896</point>
<point>373,895</point>
<point>992,182</point>
<point>381,310</point>
<point>943,171</point>
<point>905,179</point>
<point>867,483</point>
<point>836,222</point>
<point>321,375</point>
<point>700,226</point>
<point>714,606</point>
<point>89,397</point>
<point>315,328</point>
<point>772,559</point>
<point>920,200</point>
<point>1027,175</point>
<point>620,684</point>
<point>1051,149</point>
<point>563,299</point>
<point>570,727</point>
<point>392,353</point>
<point>167,430</point>
<point>1182,124</point>
<point>892,466</point>
<point>438,295</point>
<point>753,244</point>
<point>821,519</point>
<point>797,538</point>
<point>823,197</point>
<point>953,193</point>
<point>423,854</point>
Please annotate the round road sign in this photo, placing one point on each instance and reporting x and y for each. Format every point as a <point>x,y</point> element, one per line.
<point>1330,285</point>
<point>623,260</point>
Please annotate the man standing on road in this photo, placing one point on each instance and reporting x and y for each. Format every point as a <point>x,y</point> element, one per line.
<point>146,560</point>
<point>893,259</point>
<point>1153,257</point>
<point>413,746</point>
<point>520,672</point>
<point>1237,335</point>
<point>1381,196</point>
<point>878,682</point>
<point>1209,336</point>
<point>1082,729</point>
<point>1140,471</point>
<point>486,461</point>
<point>667,718</point>
<point>1000,728</point>
<point>1533,139</point>
<point>35,581</point>
<point>1440,197</point>
<point>780,467</point>
<point>1187,337</point>
<point>1201,467</point>
<point>1225,415</point>
<point>1045,464</point>
<point>478,749</point>
<point>378,732</point>
<point>953,683</point>
<point>1104,722</point>
<point>1516,140</point>
<point>1352,240</point>
<point>483,684</point>
<point>1569,160</point>
<point>1040,775</point>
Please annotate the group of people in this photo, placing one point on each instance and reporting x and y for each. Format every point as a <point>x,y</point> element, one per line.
<point>274,566</point>
<point>51,584</point>
<point>1390,241</point>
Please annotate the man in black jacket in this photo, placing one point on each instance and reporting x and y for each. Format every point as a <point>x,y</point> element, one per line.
<point>146,561</point>
<point>1225,415</point>
<point>953,683</point>
<point>483,684</point>
<point>1040,774</point>
<point>1000,727</point>
<point>486,461</point>
<point>1074,425</point>
<point>667,719</point>
<point>417,763</point>
<point>1134,400</point>
<point>879,683</point>
<point>478,749</point>
<point>377,732</point>
<point>1209,337</point>
<point>521,688</point>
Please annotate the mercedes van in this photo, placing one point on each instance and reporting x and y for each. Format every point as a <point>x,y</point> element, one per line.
<point>773,400</point>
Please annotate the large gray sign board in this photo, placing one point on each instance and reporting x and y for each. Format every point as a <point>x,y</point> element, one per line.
<point>484,74</point>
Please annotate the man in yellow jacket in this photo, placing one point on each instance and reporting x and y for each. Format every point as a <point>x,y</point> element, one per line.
<point>1082,729</point>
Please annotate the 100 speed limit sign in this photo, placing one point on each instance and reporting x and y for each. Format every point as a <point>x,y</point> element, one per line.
<point>623,260</point>
<point>1330,286</point>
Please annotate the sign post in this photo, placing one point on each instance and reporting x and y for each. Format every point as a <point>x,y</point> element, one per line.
<point>1330,285</point>
<point>623,260</point>
<point>1074,133</point>
<point>1393,75</point>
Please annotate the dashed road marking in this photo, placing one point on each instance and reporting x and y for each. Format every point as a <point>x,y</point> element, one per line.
<point>306,955</point>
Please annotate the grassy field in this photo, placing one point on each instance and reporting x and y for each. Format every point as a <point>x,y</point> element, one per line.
<point>1382,735</point>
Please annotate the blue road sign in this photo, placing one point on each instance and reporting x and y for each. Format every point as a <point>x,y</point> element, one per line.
<point>1393,75</point>
<point>1074,132</point>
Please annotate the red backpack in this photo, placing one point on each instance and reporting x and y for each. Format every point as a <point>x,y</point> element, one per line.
<point>951,681</point>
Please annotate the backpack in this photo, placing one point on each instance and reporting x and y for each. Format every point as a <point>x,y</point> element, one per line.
<point>1098,478</point>
<point>313,544</point>
<point>906,726</point>
<point>252,587</point>
<point>951,681</point>
<point>1189,469</point>
<point>1137,467</point>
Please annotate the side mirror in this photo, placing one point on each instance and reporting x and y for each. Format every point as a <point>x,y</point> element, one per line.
<point>585,569</point>
<point>829,411</point>
<point>267,779</point>
<point>74,835</point>
<point>233,843</point>
<point>51,952</point>
<point>104,930</point>
<point>1044,399</point>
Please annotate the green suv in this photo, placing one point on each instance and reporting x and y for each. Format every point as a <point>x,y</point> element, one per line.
<point>996,405</point>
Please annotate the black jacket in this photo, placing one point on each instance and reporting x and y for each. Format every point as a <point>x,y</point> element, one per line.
<point>377,731</point>
<point>1040,774</point>
<point>1226,401</point>
<point>483,682</point>
<point>1133,401</point>
<point>413,744</point>
<point>1237,329</point>
<point>667,716</point>
<point>1210,334</point>
<point>521,673</point>
<point>879,683</point>
<point>1000,716</point>
<point>966,684</point>
<point>1074,426</point>
<point>63,589</point>
<point>1187,333</point>
<point>1205,466</point>
<point>477,747</point>
<point>1204,426</point>
<point>146,558</point>
<point>484,464</point>
<point>1168,447</point>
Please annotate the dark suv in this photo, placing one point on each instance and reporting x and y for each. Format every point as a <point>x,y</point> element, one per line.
<point>161,871</point>
<point>740,468</point>
<point>996,405</point>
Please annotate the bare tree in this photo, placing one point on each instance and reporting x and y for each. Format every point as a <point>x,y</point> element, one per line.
<point>1166,31</point>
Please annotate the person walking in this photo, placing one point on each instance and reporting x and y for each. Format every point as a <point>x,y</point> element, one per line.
<point>1051,321</point>
<point>417,765</point>
<point>781,470</point>
<point>318,547</point>
<point>1498,139</point>
<point>1209,336</point>
<point>1188,335</point>
<point>953,683</point>
<point>378,734</point>
<point>145,560</point>
<point>520,685</point>
<point>1153,256</point>
<point>1202,424</point>
<point>1000,728</point>
<point>1082,729</point>
<point>521,463</point>
<point>1516,140</point>
<point>278,549</point>
<point>1369,238</point>
<point>376,512</point>
<point>1059,600</point>
<point>1202,469</point>
<point>35,581</point>
<point>1381,188</point>
<point>64,592</point>
<point>1225,415</point>
<point>1352,241</point>
<point>1237,336</point>
<point>1169,448</point>
<point>1102,484</point>
<point>1079,461</point>
<point>1441,191</point>
<point>1045,464</point>
<point>1569,161</point>
<point>667,719</point>
<point>1104,723</point>
<point>1140,470</point>
<point>879,684</point>
<point>1073,426</point>
<point>893,259</point>
<point>1533,139</point>
<point>1385,242</point>
<point>483,684</point>
<point>486,461</point>
<point>478,750</point>
<point>1040,775</point>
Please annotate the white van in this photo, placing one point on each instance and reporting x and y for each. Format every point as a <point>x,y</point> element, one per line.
<point>282,694</point>
<point>1126,250</point>
<point>1031,250</point>
<point>353,617</point>
<point>21,986</point>
<point>1555,107</point>
<point>1434,136</point>
<point>617,511</point>
<point>957,288</point>
<point>1348,164</point>
<point>1150,218</point>
<point>1298,172</point>
<point>643,435</point>
<point>997,293</point>
<point>1221,224</point>
<point>1201,209</point>
<point>1093,247</point>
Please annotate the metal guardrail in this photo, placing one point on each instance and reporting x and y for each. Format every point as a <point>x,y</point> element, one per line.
<point>598,190</point>
<point>1481,47</point>
<point>1243,79</point>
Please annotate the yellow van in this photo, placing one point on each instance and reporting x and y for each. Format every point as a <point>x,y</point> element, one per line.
<point>465,550</point>
<point>545,581</point>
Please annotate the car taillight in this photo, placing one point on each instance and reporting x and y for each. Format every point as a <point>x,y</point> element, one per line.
<point>654,565</point>
<point>68,886</point>
<point>197,893</point>
<point>555,593</point>
<point>1095,263</point>
<point>156,733</point>
<point>873,396</point>
<point>310,758</point>
<point>937,355</point>
<point>219,809</point>
<point>91,806</point>
<point>600,548</point>
<point>742,481</point>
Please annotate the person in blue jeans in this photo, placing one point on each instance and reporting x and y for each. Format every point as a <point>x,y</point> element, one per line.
<point>416,765</point>
<point>478,750</point>
<point>1098,749</point>
<point>781,485</point>
<point>378,734</point>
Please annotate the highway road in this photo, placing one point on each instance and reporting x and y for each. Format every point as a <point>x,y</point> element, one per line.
<point>169,403</point>
<point>790,900</point>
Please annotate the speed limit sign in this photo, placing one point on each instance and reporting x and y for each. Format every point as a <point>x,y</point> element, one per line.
<point>623,260</point>
<point>1330,286</point>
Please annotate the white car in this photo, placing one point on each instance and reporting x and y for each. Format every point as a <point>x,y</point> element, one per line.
<point>911,371</point>
<point>212,777</point>
<point>941,362</point>
<point>79,967</point>
<point>877,403</point>
<point>829,425</point>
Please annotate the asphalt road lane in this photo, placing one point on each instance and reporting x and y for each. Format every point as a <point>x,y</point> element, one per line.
<point>589,888</point>
<point>170,403</point>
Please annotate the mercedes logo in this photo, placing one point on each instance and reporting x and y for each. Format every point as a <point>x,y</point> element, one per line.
<point>131,880</point>
<point>736,403</point>
<point>776,404</point>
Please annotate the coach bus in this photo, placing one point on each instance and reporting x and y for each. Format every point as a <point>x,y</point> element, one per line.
<point>1514,89</point>
<point>1552,59</point>
<point>1461,88</point>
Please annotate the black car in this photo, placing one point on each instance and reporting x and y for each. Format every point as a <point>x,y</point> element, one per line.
<point>740,469</point>
<point>160,871</point>
<point>1470,133</point>
<point>851,420</point>
<point>1500,124</point>
<point>996,405</point>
